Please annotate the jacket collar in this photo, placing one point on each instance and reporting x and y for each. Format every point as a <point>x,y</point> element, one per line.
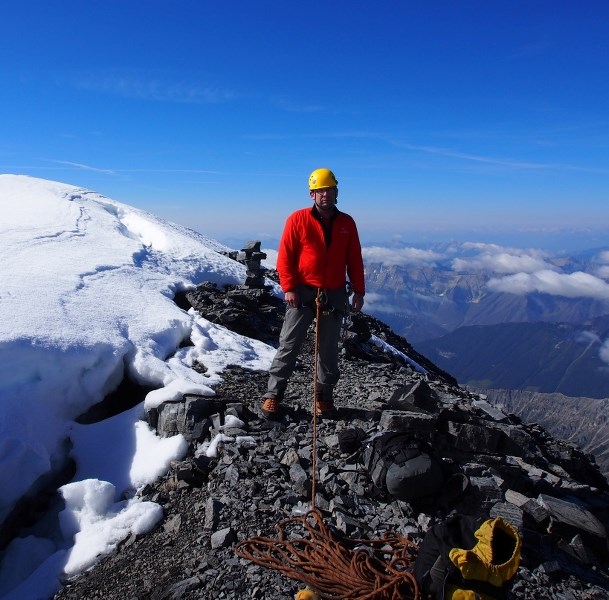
<point>315,212</point>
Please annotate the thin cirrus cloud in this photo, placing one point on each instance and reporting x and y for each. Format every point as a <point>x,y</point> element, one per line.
<point>157,89</point>
<point>288,105</point>
<point>506,163</point>
<point>83,167</point>
<point>502,162</point>
<point>67,164</point>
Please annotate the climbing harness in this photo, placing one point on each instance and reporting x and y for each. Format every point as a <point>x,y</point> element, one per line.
<point>324,308</point>
<point>336,568</point>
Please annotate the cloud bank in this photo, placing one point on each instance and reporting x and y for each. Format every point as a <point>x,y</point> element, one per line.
<point>399,256</point>
<point>530,272</point>
<point>502,262</point>
<point>510,270</point>
<point>571,285</point>
<point>500,259</point>
<point>378,303</point>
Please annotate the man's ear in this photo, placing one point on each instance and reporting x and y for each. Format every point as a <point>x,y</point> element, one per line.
<point>336,197</point>
<point>312,194</point>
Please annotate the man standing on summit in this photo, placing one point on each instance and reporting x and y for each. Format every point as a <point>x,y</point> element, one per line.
<point>319,247</point>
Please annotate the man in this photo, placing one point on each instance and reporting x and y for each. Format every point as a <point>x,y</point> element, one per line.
<point>319,247</point>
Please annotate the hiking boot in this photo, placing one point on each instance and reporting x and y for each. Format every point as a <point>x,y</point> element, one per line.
<point>270,408</point>
<point>324,408</point>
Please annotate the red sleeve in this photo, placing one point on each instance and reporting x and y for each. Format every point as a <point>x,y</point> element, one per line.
<point>287,257</point>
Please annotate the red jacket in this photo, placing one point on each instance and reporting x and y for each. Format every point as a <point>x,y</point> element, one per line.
<point>303,257</point>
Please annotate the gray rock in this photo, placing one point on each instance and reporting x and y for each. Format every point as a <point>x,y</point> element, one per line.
<point>172,525</point>
<point>474,438</point>
<point>300,480</point>
<point>223,538</point>
<point>569,513</point>
<point>189,416</point>
<point>392,420</point>
<point>212,513</point>
<point>494,413</point>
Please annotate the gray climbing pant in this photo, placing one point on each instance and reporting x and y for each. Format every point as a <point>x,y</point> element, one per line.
<point>293,334</point>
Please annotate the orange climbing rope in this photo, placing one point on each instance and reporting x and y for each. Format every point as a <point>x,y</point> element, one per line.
<point>336,568</point>
<point>318,304</point>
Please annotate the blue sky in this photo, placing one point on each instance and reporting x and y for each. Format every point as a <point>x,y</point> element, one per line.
<point>468,120</point>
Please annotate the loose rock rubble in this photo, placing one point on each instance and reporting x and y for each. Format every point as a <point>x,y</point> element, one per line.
<point>550,491</point>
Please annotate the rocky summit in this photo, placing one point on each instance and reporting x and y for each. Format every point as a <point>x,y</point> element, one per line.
<point>244,475</point>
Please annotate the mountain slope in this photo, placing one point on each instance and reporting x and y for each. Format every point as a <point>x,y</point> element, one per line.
<point>582,421</point>
<point>247,492</point>
<point>540,357</point>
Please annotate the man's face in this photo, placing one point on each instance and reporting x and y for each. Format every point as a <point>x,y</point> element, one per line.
<point>325,199</point>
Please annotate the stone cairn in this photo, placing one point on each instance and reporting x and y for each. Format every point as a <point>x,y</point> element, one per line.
<point>251,256</point>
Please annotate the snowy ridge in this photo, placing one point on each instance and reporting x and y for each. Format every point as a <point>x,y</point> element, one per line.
<point>87,295</point>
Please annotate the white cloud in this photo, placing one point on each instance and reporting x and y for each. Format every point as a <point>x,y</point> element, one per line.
<point>497,249</point>
<point>378,303</point>
<point>84,167</point>
<point>573,285</point>
<point>587,337</point>
<point>399,256</point>
<point>603,272</point>
<point>500,259</point>
<point>159,88</point>
<point>604,351</point>
<point>501,263</point>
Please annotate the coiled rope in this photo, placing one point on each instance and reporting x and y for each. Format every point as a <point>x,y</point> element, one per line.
<point>333,566</point>
<point>336,568</point>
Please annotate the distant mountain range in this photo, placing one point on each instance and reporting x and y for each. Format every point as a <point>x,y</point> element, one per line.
<point>423,302</point>
<point>535,341</point>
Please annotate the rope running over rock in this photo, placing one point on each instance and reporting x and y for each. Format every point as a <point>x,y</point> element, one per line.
<point>337,569</point>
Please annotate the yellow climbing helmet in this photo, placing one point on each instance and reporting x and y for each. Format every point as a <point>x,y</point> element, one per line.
<point>322,178</point>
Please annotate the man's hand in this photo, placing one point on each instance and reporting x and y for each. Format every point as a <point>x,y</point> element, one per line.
<point>292,299</point>
<point>358,302</point>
